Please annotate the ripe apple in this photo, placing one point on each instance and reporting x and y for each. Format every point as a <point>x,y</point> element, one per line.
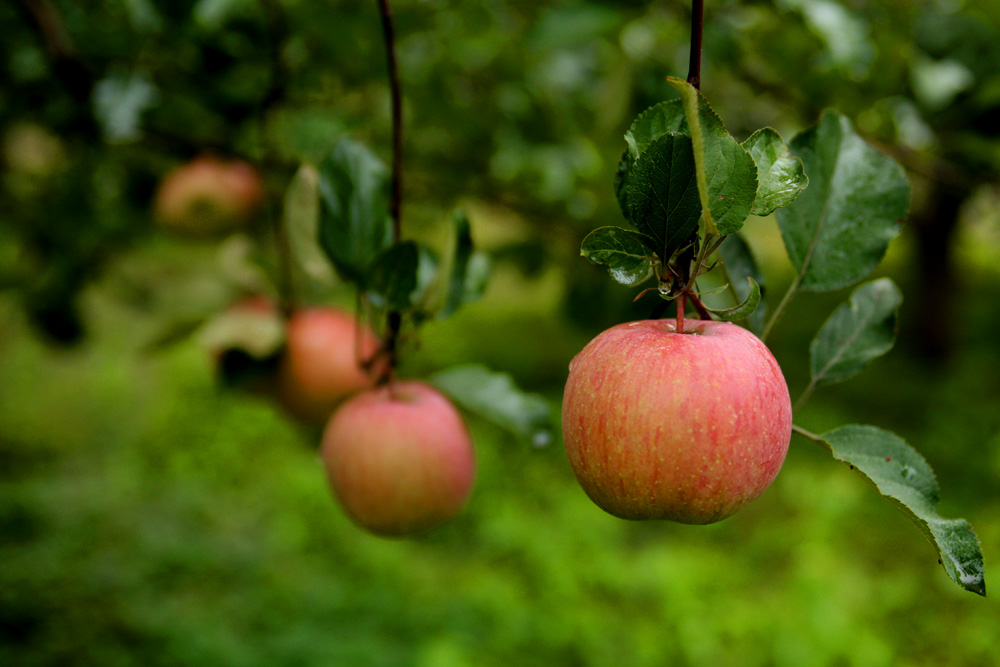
<point>321,366</point>
<point>687,427</point>
<point>208,195</point>
<point>399,458</point>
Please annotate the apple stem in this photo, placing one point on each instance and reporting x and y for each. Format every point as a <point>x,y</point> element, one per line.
<point>699,306</point>
<point>681,305</point>
<point>394,319</point>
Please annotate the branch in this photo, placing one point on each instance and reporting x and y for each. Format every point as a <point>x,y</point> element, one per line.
<point>395,318</point>
<point>75,76</point>
<point>697,28</point>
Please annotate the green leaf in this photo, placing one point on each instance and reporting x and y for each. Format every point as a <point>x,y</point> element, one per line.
<point>625,253</point>
<point>857,332</point>
<point>739,265</point>
<point>726,173</point>
<point>838,230</point>
<point>496,398</point>
<point>744,309</point>
<point>354,213</point>
<point>621,184</point>
<point>469,269</point>
<point>657,120</point>
<point>662,195</point>
<point>301,225</point>
<point>781,177</point>
<point>401,276</point>
<point>902,475</point>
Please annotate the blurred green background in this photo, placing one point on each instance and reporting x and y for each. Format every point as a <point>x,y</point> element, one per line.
<point>150,516</point>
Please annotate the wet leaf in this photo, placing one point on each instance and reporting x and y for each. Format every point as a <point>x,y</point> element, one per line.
<point>662,195</point>
<point>624,252</point>
<point>781,177</point>
<point>838,230</point>
<point>354,209</point>
<point>858,331</point>
<point>742,310</point>
<point>301,225</point>
<point>495,397</point>
<point>469,269</point>
<point>902,475</point>
<point>740,265</point>
<point>401,276</point>
<point>654,122</point>
<point>726,173</point>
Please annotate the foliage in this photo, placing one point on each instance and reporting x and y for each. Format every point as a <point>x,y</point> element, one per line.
<point>841,203</point>
<point>148,518</point>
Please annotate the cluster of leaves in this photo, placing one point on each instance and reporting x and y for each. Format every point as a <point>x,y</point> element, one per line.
<point>686,185</point>
<point>343,209</point>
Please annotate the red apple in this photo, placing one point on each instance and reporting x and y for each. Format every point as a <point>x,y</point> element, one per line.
<point>687,427</point>
<point>322,364</point>
<point>208,195</point>
<point>399,458</point>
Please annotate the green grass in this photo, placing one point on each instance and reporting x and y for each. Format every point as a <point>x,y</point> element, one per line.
<point>147,518</point>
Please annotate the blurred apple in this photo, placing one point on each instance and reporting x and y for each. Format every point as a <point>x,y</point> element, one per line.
<point>322,365</point>
<point>399,458</point>
<point>208,196</point>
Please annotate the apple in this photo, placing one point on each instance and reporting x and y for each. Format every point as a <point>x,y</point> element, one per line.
<point>322,363</point>
<point>208,195</point>
<point>399,458</point>
<point>688,426</point>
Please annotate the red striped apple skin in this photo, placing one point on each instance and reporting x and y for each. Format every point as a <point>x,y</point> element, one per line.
<point>686,427</point>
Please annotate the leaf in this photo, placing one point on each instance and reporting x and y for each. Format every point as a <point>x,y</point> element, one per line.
<point>838,230</point>
<point>744,309</point>
<point>621,184</point>
<point>469,270</point>
<point>625,253</point>
<point>781,177</point>
<point>400,276</point>
<point>739,265</point>
<point>494,397</point>
<point>726,173</point>
<point>301,225</point>
<point>902,475</point>
<point>354,213</point>
<point>857,332</point>
<point>657,120</point>
<point>662,195</point>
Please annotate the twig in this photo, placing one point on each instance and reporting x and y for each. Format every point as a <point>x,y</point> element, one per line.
<point>75,76</point>
<point>697,28</point>
<point>394,319</point>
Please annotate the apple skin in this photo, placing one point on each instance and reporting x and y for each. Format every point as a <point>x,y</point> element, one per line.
<point>320,366</point>
<point>208,195</point>
<point>399,458</point>
<point>686,427</point>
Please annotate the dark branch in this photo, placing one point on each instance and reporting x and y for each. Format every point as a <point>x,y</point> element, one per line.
<point>395,318</point>
<point>697,27</point>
